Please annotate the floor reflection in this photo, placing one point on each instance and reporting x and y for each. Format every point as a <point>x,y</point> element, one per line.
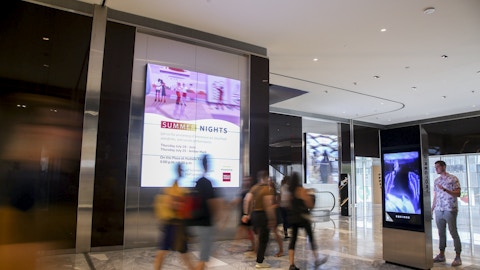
<point>344,243</point>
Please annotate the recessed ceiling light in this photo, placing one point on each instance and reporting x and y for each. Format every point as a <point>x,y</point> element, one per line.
<point>46,38</point>
<point>383,30</point>
<point>414,88</point>
<point>429,10</point>
<point>315,59</point>
<point>376,77</point>
<point>444,56</point>
<point>444,96</point>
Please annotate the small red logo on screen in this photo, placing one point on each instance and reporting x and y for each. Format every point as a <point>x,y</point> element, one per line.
<point>226,177</point>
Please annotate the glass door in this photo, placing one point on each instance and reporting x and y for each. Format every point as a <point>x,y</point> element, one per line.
<point>467,169</point>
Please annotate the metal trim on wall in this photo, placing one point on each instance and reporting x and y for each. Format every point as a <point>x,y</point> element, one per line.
<point>90,130</point>
<point>245,126</point>
<point>66,5</point>
<point>156,27</point>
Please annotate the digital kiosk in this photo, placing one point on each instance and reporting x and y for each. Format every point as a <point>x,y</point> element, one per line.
<point>407,219</point>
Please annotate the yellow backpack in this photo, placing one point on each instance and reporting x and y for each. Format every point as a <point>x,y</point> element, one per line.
<point>167,205</point>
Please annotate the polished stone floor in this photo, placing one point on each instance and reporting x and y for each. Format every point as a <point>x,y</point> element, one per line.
<point>344,243</point>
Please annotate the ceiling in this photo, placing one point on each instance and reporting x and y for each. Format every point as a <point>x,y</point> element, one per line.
<point>423,65</point>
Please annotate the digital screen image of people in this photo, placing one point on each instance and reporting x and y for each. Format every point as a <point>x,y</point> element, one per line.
<point>322,160</point>
<point>402,183</point>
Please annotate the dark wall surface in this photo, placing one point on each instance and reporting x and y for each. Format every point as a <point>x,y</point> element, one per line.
<point>43,72</point>
<point>259,114</point>
<point>285,139</point>
<point>346,138</point>
<point>366,142</point>
<point>454,137</point>
<point>112,139</point>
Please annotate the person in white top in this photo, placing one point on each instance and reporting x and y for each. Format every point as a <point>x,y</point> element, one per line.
<point>445,205</point>
<point>285,198</point>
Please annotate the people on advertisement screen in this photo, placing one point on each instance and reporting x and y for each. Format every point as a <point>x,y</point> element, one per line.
<point>445,209</point>
<point>325,168</point>
<point>164,93</point>
<point>158,89</point>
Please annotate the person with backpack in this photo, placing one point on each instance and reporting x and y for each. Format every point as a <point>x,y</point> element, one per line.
<point>299,217</point>
<point>169,210</point>
<point>258,207</point>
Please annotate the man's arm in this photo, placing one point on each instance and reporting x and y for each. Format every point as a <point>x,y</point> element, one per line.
<point>247,202</point>
<point>455,193</point>
<point>270,209</point>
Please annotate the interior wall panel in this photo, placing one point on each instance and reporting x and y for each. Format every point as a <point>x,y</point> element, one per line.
<point>113,129</point>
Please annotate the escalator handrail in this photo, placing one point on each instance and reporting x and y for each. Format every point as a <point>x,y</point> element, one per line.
<point>333,196</point>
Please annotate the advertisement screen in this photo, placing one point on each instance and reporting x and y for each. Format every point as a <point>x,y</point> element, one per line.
<point>321,158</point>
<point>402,192</point>
<point>187,115</point>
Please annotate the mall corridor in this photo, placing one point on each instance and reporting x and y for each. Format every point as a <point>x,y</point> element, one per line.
<point>344,243</point>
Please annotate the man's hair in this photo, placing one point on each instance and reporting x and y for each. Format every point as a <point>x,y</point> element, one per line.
<point>205,159</point>
<point>261,175</point>
<point>441,163</point>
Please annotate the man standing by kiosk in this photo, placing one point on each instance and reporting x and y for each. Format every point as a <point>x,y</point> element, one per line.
<point>445,205</point>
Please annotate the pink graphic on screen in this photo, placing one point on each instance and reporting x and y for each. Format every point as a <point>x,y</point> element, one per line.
<point>186,95</point>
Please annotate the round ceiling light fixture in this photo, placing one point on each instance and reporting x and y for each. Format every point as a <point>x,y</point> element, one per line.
<point>429,10</point>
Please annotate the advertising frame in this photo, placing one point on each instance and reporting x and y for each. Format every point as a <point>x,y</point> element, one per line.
<point>402,192</point>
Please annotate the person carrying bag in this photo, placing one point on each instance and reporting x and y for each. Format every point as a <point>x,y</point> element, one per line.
<point>299,217</point>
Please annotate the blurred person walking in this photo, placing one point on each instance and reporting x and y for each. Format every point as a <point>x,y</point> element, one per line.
<point>169,210</point>
<point>258,207</point>
<point>299,217</point>
<point>285,198</point>
<point>276,210</point>
<point>204,218</point>
<point>244,229</point>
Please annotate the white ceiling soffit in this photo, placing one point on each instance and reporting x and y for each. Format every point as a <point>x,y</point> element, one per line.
<point>380,77</point>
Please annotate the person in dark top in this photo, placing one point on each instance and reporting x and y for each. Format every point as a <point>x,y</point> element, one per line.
<point>301,202</point>
<point>325,168</point>
<point>203,224</point>
<point>244,228</point>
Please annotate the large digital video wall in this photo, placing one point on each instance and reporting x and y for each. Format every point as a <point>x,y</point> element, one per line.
<point>189,114</point>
